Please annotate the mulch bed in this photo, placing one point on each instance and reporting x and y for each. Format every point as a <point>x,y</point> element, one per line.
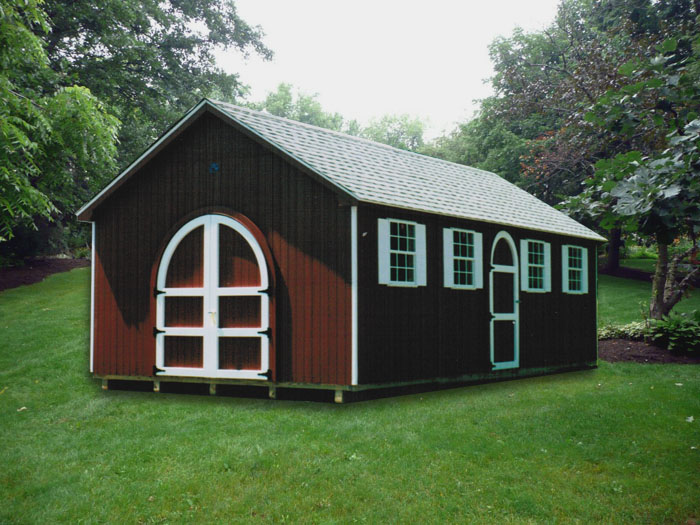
<point>36,270</point>
<point>615,350</point>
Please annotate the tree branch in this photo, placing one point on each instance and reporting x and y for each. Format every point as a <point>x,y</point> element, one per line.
<point>568,73</point>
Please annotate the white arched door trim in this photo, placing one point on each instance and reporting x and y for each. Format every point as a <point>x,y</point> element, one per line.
<point>210,293</point>
<point>514,316</point>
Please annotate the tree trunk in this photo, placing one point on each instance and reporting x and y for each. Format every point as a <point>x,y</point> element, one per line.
<point>666,290</point>
<point>657,307</point>
<point>614,244</point>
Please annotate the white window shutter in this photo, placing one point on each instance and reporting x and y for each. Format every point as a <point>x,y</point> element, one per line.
<point>547,267</point>
<point>524,281</point>
<point>421,263</point>
<point>565,268</point>
<point>584,270</point>
<point>447,257</point>
<point>383,250</point>
<point>478,261</point>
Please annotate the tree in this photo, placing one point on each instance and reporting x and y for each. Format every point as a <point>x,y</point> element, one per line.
<point>400,131</point>
<point>546,81</point>
<point>656,194</point>
<point>303,108</point>
<point>51,139</point>
<point>486,142</point>
<point>147,60</point>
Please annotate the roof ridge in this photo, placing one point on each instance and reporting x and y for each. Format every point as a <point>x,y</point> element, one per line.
<point>349,137</point>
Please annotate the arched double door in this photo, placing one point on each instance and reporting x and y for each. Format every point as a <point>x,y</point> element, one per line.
<point>212,307</point>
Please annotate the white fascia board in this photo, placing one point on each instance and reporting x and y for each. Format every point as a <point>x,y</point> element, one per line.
<point>184,120</point>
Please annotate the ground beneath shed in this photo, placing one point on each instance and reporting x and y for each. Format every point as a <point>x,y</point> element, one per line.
<point>615,350</point>
<point>36,270</point>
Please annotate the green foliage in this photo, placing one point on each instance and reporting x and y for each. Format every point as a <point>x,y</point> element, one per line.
<point>303,108</point>
<point>640,252</point>
<point>56,145</point>
<point>635,331</point>
<point>486,142</point>
<point>678,332</point>
<point>535,130</point>
<point>656,194</point>
<point>611,445</point>
<point>148,60</point>
<point>400,131</point>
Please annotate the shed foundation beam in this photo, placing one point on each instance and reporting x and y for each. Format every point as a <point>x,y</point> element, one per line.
<point>272,392</point>
<point>212,389</point>
<point>339,396</point>
<point>105,384</point>
<point>156,385</point>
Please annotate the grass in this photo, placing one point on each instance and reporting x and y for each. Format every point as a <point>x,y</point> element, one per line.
<point>647,265</point>
<point>621,301</point>
<point>609,445</point>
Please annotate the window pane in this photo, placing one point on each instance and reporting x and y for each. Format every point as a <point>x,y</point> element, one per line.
<point>575,257</point>
<point>574,280</point>
<point>463,252</point>
<point>401,252</point>
<point>393,243</point>
<point>535,277</point>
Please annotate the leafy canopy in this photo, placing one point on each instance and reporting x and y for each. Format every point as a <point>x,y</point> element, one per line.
<point>51,139</point>
<point>148,60</point>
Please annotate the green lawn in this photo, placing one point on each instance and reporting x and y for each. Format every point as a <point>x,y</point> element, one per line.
<point>609,445</point>
<point>620,301</point>
<point>647,265</point>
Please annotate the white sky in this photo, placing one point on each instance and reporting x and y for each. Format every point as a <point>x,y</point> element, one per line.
<point>370,58</point>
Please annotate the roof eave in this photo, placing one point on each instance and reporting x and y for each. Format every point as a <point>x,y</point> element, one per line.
<point>592,236</point>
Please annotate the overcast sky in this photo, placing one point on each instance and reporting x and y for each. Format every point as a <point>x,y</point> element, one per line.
<point>369,58</point>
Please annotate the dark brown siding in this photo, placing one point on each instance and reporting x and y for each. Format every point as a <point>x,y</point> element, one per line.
<point>305,228</point>
<point>435,332</point>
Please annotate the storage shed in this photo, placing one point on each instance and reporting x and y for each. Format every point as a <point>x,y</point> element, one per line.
<point>249,249</point>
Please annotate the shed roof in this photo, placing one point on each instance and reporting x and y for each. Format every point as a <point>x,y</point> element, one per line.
<point>376,173</point>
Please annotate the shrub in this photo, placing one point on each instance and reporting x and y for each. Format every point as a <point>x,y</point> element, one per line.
<point>678,332</point>
<point>635,331</point>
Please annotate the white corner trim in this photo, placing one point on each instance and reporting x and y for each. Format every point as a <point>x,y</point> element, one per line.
<point>353,292</point>
<point>92,301</point>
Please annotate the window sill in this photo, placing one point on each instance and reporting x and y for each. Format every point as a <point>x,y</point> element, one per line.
<point>402,285</point>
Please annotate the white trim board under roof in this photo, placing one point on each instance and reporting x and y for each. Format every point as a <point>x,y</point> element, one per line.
<point>375,173</point>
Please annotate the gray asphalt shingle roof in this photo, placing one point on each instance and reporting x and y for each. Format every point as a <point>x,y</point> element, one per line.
<point>380,174</point>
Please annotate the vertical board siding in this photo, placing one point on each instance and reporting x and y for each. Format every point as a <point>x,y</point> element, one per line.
<point>212,167</point>
<point>427,332</point>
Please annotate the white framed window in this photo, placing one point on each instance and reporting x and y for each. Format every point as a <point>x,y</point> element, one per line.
<point>462,259</point>
<point>574,264</point>
<point>402,255</point>
<point>535,266</point>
